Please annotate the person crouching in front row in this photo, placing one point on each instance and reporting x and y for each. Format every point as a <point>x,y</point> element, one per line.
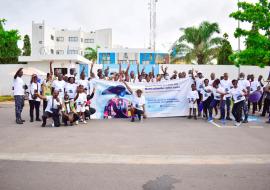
<point>138,104</point>
<point>69,113</point>
<point>192,97</point>
<point>53,108</point>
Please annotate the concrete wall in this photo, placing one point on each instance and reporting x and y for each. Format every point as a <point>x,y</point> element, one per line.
<point>6,77</point>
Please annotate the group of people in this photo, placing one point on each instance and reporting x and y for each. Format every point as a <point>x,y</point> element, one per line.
<point>67,99</point>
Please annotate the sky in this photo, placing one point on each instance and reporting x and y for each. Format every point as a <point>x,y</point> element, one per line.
<point>129,19</point>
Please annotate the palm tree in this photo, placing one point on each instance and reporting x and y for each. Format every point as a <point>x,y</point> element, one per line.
<point>198,43</point>
<point>91,53</point>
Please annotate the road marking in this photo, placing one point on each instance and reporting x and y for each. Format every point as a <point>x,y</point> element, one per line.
<point>215,124</point>
<point>139,159</point>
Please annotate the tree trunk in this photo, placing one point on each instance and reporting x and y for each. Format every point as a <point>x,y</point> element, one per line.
<point>200,58</point>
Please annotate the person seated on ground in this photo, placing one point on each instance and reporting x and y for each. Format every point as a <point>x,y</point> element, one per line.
<point>69,113</point>
<point>54,105</point>
<point>88,110</point>
<point>80,100</point>
<point>138,104</point>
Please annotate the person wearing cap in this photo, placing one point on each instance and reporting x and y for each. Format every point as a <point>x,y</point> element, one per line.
<point>34,101</point>
<point>138,104</point>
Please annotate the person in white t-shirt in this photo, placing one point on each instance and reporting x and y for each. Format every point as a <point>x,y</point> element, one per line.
<point>138,104</point>
<point>219,94</point>
<point>19,91</point>
<point>244,84</point>
<point>238,96</point>
<point>54,105</point>
<point>80,100</point>
<point>206,98</point>
<point>254,87</point>
<point>83,82</point>
<point>226,83</point>
<point>59,85</point>
<point>199,85</point>
<point>193,97</point>
<point>71,88</point>
<point>34,101</point>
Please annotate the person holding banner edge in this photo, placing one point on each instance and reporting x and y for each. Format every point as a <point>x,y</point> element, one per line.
<point>138,104</point>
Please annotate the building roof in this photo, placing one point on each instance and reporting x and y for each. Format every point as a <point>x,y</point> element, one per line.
<point>39,58</point>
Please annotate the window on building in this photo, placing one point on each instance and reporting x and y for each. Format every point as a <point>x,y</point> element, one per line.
<point>81,39</point>
<point>52,37</point>
<point>105,58</point>
<point>52,51</point>
<point>40,42</point>
<point>70,51</point>
<point>73,39</point>
<point>59,52</point>
<point>89,40</point>
<point>40,27</point>
<point>62,71</point>
<point>59,39</point>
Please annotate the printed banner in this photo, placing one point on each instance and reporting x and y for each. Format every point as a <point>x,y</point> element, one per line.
<point>163,99</point>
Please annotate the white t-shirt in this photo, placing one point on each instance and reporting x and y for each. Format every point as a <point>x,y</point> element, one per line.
<point>211,82</point>
<point>193,96</point>
<point>82,98</point>
<point>254,86</point>
<point>205,93</point>
<point>199,83</point>
<point>34,87</point>
<point>217,93</point>
<point>243,84</point>
<point>237,94</point>
<point>52,103</point>
<point>18,86</point>
<point>138,102</point>
<point>227,85</point>
<point>59,85</point>
<point>71,90</point>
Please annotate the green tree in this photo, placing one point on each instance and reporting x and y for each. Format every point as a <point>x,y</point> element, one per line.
<point>225,51</point>
<point>26,46</point>
<point>91,54</point>
<point>257,38</point>
<point>9,50</point>
<point>198,43</point>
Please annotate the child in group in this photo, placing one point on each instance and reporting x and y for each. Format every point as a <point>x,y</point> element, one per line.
<point>68,111</point>
<point>193,96</point>
<point>80,100</point>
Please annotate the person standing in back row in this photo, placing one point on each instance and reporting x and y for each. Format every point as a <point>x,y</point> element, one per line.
<point>19,89</point>
<point>34,101</point>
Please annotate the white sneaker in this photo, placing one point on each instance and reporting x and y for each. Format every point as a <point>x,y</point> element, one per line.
<point>52,124</point>
<point>84,122</point>
<point>77,122</point>
<point>237,124</point>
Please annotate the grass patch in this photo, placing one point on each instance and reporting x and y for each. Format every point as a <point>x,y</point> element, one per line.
<point>6,98</point>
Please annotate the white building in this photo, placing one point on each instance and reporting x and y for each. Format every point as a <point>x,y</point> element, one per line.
<point>50,41</point>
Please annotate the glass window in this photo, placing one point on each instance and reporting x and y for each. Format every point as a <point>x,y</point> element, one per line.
<point>59,39</point>
<point>59,52</point>
<point>72,52</point>
<point>40,42</point>
<point>52,37</point>
<point>89,41</point>
<point>40,27</point>
<point>52,51</point>
<point>73,39</point>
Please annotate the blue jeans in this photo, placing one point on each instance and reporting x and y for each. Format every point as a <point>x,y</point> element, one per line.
<point>213,104</point>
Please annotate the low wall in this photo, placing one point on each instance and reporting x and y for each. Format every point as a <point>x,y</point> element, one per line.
<point>6,70</point>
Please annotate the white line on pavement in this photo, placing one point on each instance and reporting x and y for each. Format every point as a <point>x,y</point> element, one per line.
<point>139,159</point>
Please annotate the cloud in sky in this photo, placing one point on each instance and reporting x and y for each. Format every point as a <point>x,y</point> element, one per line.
<point>129,19</point>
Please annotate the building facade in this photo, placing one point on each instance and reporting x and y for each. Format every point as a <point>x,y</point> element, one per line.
<point>132,56</point>
<point>50,41</point>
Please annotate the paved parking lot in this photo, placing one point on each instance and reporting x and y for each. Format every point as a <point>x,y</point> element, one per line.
<point>159,153</point>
